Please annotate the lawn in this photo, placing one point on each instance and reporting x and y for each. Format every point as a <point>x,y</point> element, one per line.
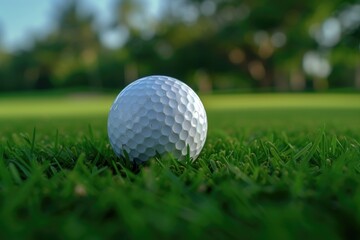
<point>275,166</point>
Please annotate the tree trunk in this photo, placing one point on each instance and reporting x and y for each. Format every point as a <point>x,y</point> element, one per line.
<point>357,78</point>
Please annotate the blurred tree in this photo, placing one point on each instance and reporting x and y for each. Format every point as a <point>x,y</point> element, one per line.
<point>3,61</point>
<point>343,48</point>
<point>67,56</point>
<point>260,40</point>
<point>15,67</point>
<point>211,44</point>
<point>131,16</point>
<point>79,43</point>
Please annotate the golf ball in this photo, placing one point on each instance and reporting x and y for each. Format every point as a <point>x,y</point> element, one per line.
<point>157,115</point>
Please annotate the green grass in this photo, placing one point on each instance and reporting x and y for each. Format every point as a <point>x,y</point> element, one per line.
<point>275,166</point>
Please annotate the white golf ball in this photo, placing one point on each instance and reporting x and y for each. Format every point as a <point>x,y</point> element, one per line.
<point>157,115</point>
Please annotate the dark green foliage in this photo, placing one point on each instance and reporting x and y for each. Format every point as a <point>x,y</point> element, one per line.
<point>234,44</point>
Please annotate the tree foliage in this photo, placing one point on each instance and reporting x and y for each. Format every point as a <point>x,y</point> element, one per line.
<point>211,44</point>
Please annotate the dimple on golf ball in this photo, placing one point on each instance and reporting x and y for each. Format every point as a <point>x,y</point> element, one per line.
<point>157,115</point>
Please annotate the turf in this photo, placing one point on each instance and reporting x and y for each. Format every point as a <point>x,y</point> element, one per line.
<point>274,166</point>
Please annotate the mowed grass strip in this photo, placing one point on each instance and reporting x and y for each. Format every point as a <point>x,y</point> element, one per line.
<point>50,106</point>
<point>282,100</point>
<point>265,172</point>
<point>97,104</point>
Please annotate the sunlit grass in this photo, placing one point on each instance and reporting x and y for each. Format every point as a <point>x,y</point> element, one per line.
<point>256,101</point>
<point>68,105</point>
<point>96,104</point>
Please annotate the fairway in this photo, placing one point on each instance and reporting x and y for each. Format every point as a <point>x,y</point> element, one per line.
<point>223,110</point>
<point>274,166</point>
<point>72,105</point>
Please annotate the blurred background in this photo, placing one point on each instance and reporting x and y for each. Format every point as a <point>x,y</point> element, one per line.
<point>213,45</point>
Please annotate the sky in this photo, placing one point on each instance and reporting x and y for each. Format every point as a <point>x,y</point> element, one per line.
<point>20,19</point>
